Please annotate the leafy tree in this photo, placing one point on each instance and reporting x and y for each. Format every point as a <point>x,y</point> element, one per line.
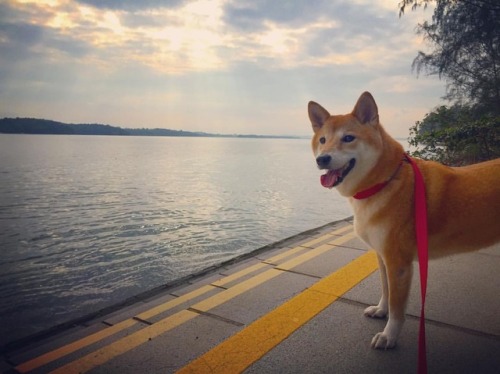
<point>453,136</point>
<point>464,36</point>
<point>465,39</point>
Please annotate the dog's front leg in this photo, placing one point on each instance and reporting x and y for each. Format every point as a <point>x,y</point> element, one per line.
<point>399,275</point>
<point>380,310</point>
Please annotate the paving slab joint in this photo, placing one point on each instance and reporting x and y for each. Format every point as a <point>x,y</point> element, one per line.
<point>142,321</point>
<point>298,272</point>
<point>217,317</point>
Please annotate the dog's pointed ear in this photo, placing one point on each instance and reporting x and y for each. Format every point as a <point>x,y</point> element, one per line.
<point>366,110</point>
<point>317,114</point>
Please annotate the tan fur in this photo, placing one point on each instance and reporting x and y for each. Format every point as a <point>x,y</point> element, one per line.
<point>463,203</point>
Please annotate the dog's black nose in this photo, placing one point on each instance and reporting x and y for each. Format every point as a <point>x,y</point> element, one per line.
<point>323,161</point>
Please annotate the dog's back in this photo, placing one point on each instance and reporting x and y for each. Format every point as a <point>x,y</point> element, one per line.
<point>463,206</point>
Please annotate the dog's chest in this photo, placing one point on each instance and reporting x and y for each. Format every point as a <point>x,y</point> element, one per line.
<point>373,235</point>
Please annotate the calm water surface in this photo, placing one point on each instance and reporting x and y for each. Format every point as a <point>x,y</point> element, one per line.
<point>88,221</point>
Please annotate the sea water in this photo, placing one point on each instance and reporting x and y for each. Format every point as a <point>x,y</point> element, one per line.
<point>89,221</point>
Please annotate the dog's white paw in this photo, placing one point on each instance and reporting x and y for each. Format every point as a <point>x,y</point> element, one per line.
<point>383,341</point>
<point>375,312</point>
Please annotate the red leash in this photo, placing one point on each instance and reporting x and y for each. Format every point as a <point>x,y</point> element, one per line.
<point>422,245</point>
<point>423,257</point>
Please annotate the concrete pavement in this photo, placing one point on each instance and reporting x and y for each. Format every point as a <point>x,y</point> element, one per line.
<point>293,307</point>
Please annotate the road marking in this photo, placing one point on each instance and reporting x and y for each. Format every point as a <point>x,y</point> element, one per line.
<point>203,305</point>
<point>275,259</point>
<point>137,338</point>
<point>175,302</point>
<point>315,252</point>
<point>237,290</point>
<point>230,278</point>
<point>342,229</point>
<point>96,337</point>
<point>327,236</point>
<point>238,352</point>
<point>74,346</point>
<point>123,345</point>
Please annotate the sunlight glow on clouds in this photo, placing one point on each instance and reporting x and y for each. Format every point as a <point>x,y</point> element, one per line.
<point>244,66</point>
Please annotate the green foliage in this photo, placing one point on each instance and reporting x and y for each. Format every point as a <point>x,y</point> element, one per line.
<point>413,4</point>
<point>464,36</point>
<point>452,136</point>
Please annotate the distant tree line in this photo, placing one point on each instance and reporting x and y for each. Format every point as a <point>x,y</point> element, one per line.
<point>43,126</point>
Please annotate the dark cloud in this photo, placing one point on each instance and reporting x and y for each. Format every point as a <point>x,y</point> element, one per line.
<point>132,5</point>
<point>18,44</point>
<point>24,34</point>
<point>21,39</point>
<point>134,20</point>
<point>73,47</point>
<point>252,14</point>
<point>21,14</point>
<point>14,27</point>
<point>358,26</point>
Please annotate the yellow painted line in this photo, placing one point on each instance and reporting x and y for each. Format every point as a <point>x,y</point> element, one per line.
<point>272,260</point>
<point>230,278</point>
<point>241,350</point>
<point>96,337</point>
<point>203,306</point>
<point>174,302</point>
<point>327,236</point>
<point>237,290</point>
<point>72,347</point>
<point>281,256</point>
<point>342,230</point>
<point>315,252</point>
<point>242,287</point>
<point>124,345</point>
<point>275,259</point>
<point>312,243</point>
<point>137,338</point>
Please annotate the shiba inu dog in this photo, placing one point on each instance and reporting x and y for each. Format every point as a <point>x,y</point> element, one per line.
<point>367,166</point>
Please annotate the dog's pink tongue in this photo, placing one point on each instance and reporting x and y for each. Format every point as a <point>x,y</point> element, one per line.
<point>329,179</point>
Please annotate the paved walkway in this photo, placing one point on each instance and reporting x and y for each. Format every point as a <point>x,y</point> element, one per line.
<point>295,307</point>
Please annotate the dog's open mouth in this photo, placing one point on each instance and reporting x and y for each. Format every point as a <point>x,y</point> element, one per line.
<point>334,177</point>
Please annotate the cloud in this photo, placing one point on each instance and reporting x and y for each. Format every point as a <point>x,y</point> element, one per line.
<point>22,34</point>
<point>210,65</point>
<point>253,14</point>
<point>323,33</point>
<point>132,5</point>
<point>206,35</point>
<point>148,19</point>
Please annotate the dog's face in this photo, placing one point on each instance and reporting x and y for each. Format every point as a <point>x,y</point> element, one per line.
<point>346,146</point>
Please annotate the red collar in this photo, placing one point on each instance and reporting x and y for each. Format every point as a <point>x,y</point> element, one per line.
<point>378,187</point>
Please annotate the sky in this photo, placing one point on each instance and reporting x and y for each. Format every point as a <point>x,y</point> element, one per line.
<point>218,66</point>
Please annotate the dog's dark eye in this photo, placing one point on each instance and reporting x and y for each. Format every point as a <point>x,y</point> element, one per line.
<point>322,140</point>
<point>348,138</point>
